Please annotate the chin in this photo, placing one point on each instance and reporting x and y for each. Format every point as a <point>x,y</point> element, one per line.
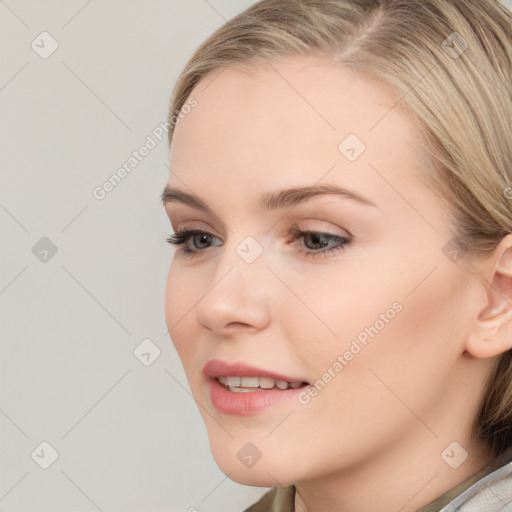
<point>237,465</point>
<point>264,476</point>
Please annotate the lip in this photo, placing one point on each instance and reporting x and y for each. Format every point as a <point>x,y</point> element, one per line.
<point>216,368</point>
<point>252,402</point>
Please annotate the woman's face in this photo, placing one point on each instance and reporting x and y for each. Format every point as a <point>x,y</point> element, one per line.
<point>368,308</point>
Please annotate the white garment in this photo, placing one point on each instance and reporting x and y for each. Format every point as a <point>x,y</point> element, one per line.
<point>493,493</point>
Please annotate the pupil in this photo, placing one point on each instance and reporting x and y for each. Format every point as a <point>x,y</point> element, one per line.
<point>203,239</point>
<point>316,239</point>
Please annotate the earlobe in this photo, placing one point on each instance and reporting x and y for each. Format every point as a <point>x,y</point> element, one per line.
<point>492,332</point>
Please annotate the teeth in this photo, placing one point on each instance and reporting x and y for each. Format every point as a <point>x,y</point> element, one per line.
<point>250,382</point>
<point>233,381</point>
<point>240,390</point>
<point>281,384</point>
<point>247,384</point>
<point>266,383</point>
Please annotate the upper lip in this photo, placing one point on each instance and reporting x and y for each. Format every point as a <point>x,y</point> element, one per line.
<point>217,368</point>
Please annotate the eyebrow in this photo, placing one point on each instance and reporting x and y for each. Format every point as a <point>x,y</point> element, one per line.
<point>271,200</point>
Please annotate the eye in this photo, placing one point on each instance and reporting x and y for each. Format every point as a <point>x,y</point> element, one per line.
<point>195,241</point>
<point>198,238</point>
<point>319,243</point>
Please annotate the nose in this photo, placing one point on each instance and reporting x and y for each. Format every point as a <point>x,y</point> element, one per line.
<point>237,296</point>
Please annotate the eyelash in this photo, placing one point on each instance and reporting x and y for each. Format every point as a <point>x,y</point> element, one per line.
<point>179,238</point>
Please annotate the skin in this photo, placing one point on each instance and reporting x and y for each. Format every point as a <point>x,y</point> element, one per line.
<point>372,438</point>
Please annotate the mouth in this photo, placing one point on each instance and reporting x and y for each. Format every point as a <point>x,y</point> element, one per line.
<point>239,389</point>
<point>252,384</point>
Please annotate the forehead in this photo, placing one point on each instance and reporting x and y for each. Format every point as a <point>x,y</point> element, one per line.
<point>294,120</point>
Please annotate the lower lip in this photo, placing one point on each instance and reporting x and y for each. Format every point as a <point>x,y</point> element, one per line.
<point>244,404</point>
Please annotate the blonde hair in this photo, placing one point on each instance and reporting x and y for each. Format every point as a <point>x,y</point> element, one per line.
<point>449,62</point>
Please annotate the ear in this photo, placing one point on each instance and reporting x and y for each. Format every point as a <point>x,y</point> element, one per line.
<point>492,332</point>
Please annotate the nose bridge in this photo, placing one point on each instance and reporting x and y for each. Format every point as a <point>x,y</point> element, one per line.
<point>238,292</point>
<point>244,263</point>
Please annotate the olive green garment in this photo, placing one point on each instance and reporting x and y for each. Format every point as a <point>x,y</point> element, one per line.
<point>489,490</point>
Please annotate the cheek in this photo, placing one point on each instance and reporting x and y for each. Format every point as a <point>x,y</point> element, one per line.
<point>374,312</point>
<point>180,297</point>
<point>330,307</point>
<point>391,339</point>
<point>371,301</point>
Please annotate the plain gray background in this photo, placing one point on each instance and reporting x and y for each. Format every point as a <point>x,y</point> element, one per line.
<point>129,437</point>
<point>82,280</point>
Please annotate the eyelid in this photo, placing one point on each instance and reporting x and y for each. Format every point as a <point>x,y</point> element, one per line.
<point>194,225</point>
<point>315,226</point>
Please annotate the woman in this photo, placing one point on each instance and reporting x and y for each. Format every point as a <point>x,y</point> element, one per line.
<point>341,294</point>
